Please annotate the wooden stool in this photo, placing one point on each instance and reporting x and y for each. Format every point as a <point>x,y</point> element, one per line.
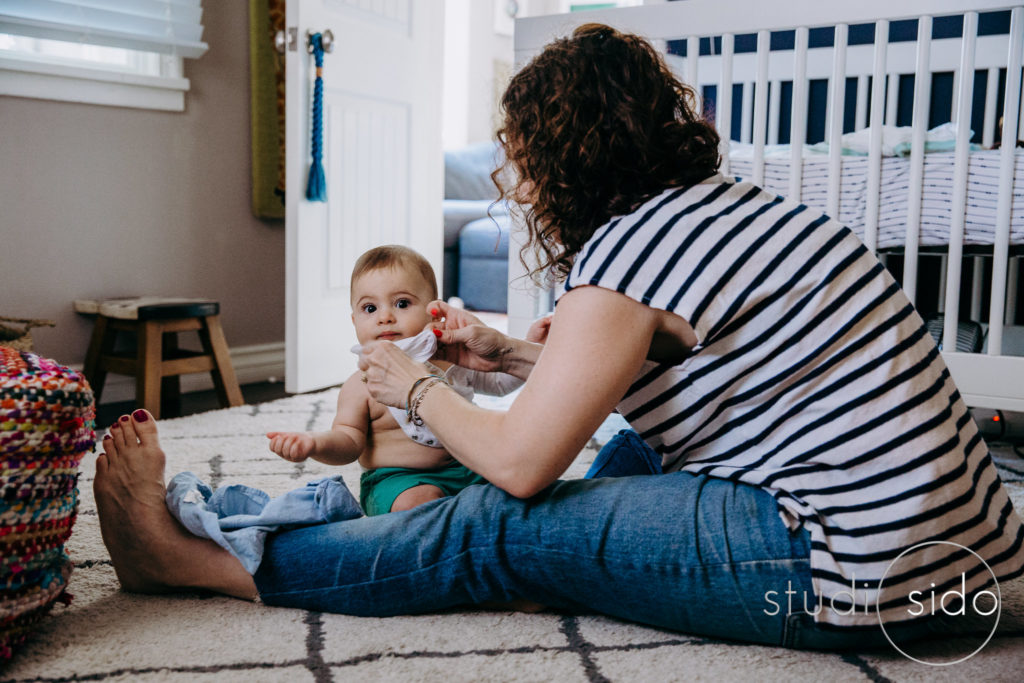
<point>157,361</point>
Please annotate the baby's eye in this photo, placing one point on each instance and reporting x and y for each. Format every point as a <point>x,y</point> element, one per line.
<point>369,308</point>
<point>403,303</point>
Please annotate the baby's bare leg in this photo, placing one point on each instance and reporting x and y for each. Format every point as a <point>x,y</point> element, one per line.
<point>150,550</point>
<point>417,495</point>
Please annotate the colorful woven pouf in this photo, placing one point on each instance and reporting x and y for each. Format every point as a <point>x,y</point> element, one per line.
<point>46,426</point>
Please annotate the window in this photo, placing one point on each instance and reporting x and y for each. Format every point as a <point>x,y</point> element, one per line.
<point>113,52</point>
<point>584,5</point>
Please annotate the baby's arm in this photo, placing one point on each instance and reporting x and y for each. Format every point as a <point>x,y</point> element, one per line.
<point>490,383</point>
<point>345,441</point>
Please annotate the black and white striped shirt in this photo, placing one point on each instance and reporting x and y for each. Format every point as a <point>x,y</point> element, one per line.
<point>815,379</point>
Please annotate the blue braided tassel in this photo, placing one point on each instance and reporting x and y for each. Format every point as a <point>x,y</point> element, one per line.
<point>316,190</point>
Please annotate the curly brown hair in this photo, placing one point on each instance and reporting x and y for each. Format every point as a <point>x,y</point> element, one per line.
<point>594,126</point>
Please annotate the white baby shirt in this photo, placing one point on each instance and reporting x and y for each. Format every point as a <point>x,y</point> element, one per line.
<point>464,381</point>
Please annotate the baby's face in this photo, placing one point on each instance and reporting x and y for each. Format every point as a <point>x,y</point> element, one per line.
<point>389,303</point>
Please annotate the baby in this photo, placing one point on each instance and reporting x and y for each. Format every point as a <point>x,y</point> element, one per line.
<point>405,464</point>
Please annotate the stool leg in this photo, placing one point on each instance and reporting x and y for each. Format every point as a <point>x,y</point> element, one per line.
<point>148,369</point>
<point>101,343</point>
<point>170,386</point>
<point>211,335</point>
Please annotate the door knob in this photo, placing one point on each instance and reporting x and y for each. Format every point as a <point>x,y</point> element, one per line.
<point>287,41</point>
<point>326,39</point>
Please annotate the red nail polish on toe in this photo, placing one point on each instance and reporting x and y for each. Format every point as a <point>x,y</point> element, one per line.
<point>437,333</point>
<point>115,425</point>
<point>107,436</point>
<point>124,418</point>
<point>434,312</point>
<point>140,416</point>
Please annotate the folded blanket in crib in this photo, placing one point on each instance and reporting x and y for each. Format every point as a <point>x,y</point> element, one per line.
<point>896,142</point>
<point>238,518</point>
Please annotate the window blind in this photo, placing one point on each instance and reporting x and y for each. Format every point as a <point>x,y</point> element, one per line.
<point>164,26</point>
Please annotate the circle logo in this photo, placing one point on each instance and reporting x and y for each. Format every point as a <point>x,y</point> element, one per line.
<point>942,607</point>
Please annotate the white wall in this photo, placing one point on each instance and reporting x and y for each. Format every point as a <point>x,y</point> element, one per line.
<point>478,63</point>
<point>478,57</point>
<point>105,201</point>
<point>455,93</point>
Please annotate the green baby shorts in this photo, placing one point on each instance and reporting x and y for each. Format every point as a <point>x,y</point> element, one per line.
<point>378,488</point>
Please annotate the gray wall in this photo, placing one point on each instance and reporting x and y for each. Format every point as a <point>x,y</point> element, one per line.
<point>104,201</point>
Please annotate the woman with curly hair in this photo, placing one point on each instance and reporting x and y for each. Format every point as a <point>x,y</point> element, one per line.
<point>800,460</point>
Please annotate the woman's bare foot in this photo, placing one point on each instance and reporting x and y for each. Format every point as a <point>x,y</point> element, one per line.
<point>150,550</point>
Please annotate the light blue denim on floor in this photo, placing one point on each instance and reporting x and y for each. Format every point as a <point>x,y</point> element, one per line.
<point>239,517</point>
<point>678,551</point>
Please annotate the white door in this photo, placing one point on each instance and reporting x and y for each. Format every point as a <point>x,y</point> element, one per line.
<point>382,160</point>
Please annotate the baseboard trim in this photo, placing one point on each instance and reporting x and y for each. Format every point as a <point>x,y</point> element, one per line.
<point>252,364</point>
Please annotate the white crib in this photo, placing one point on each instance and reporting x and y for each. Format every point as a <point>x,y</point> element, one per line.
<point>921,206</point>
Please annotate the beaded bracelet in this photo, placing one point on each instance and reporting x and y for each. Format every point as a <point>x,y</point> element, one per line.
<point>412,413</point>
<point>408,398</point>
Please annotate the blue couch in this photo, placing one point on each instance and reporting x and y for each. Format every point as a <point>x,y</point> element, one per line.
<point>476,230</point>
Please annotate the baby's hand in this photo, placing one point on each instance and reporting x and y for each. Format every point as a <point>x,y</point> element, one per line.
<point>292,446</point>
<point>538,332</point>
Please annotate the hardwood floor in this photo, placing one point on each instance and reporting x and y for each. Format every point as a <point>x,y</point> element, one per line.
<point>194,402</point>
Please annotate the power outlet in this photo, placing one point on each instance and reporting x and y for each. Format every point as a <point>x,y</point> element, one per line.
<point>1000,426</point>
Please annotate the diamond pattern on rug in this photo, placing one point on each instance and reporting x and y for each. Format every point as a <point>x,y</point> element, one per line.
<point>109,635</point>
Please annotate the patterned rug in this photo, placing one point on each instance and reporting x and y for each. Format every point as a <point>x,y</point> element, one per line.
<point>108,635</point>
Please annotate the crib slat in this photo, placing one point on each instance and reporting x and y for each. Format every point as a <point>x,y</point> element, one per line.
<point>1020,118</point>
<point>837,105</point>
<point>892,99</point>
<point>692,55</point>
<point>922,96</point>
<point>988,134</point>
<point>760,104</point>
<point>798,126</point>
<point>1007,152</point>
<point>959,190</point>
<point>875,138</point>
<point>943,262</point>
<point>1012,280</point>
<point>956,88</point>
<point>746,111</point>
<point>774,106</point>
<point>723,108</point>
<point>977,278</point>
<point>861,118</point>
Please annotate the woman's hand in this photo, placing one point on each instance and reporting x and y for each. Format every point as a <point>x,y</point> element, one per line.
<point>389,373</point>
<point>593,353</point>
<point>466,341</point>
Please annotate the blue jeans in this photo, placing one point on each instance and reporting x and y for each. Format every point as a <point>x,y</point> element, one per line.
<point>677,551</point>
<point>625,455</point>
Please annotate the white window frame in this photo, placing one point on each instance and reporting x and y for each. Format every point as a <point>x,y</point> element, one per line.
<point>68,80</point>
<point>123,53</point>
